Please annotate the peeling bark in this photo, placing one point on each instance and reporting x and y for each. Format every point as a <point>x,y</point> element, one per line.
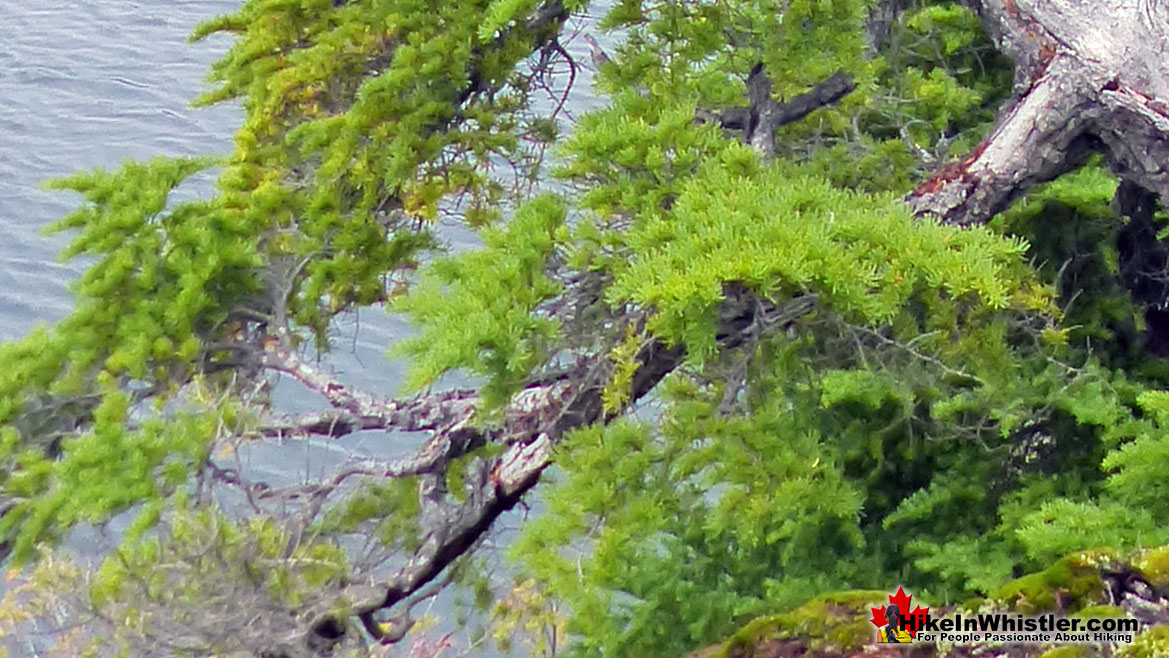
<point>1089,77</point>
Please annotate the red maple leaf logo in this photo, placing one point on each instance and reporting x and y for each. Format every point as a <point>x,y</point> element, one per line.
<point>914,619</point>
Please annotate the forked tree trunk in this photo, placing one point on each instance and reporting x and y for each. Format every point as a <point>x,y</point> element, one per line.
<point>1091,75</point>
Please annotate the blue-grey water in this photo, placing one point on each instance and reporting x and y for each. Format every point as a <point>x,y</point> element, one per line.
<point>91,84</point>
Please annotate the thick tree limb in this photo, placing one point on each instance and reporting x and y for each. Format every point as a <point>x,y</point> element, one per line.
<point>358,409</point>
<point>450,530</point>
<point>559,408</point>
<point>1089,77</point>
<point>535,421</point>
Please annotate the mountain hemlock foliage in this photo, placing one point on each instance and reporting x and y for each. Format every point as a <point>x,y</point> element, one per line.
<point>955,407</point>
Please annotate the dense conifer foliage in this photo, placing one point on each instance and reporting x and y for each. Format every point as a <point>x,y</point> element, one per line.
<point>714,343</point>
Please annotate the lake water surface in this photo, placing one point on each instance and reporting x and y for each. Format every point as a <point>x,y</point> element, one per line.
<point>91,84</point>
<point>82,85</point>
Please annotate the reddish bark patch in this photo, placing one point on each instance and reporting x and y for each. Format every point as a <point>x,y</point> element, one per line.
<point>935,183</point>
<point>1046,54</point>
<point>950,172</point>
<point>973,155</point>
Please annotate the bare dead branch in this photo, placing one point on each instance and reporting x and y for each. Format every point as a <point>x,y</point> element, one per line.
<point>767,114</point>
<point>758,122</point>
<point>534,423</point>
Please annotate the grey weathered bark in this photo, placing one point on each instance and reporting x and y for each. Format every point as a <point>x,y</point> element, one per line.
<point>881,19</point>
<point>534,422</point>
<point>766,115</point>
<point>1088,79</point>
<point>1090,76</point>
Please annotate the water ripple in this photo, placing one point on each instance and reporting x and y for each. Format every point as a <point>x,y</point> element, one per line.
<point>82,85</point>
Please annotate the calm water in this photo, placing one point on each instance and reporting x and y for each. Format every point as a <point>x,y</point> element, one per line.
<point>91,84</point>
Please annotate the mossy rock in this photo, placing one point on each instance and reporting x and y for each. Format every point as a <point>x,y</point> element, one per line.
<point>1101,612</point>
<point>1069,585</point>
<point>833,622</point>
<point>972,605</point>
<point>1153,566</point>
<point>839,626</point>
<point>1153,643</point>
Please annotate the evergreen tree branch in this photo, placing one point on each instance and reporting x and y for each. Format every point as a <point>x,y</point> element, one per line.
<point>534,423</point>
<point>767,115</point>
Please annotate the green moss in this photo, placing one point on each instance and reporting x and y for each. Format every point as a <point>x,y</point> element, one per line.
<point>1068,585</point>
<point>1069,651</point>
<point>972,605</point>
<point>1101,612</point>
<point>1154,566</point>
<point>1153,643</point>
<point>838,621</point>
<point>1099,558</point>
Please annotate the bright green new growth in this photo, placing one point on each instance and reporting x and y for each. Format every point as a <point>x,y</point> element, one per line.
<point>784,233</point>
<point>164,281</point>
<point>335,176</point>
<point>478,310</point>
<point>925,449</point>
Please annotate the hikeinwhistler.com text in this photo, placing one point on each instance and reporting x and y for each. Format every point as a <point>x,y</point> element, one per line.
<point>1010,629</point>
